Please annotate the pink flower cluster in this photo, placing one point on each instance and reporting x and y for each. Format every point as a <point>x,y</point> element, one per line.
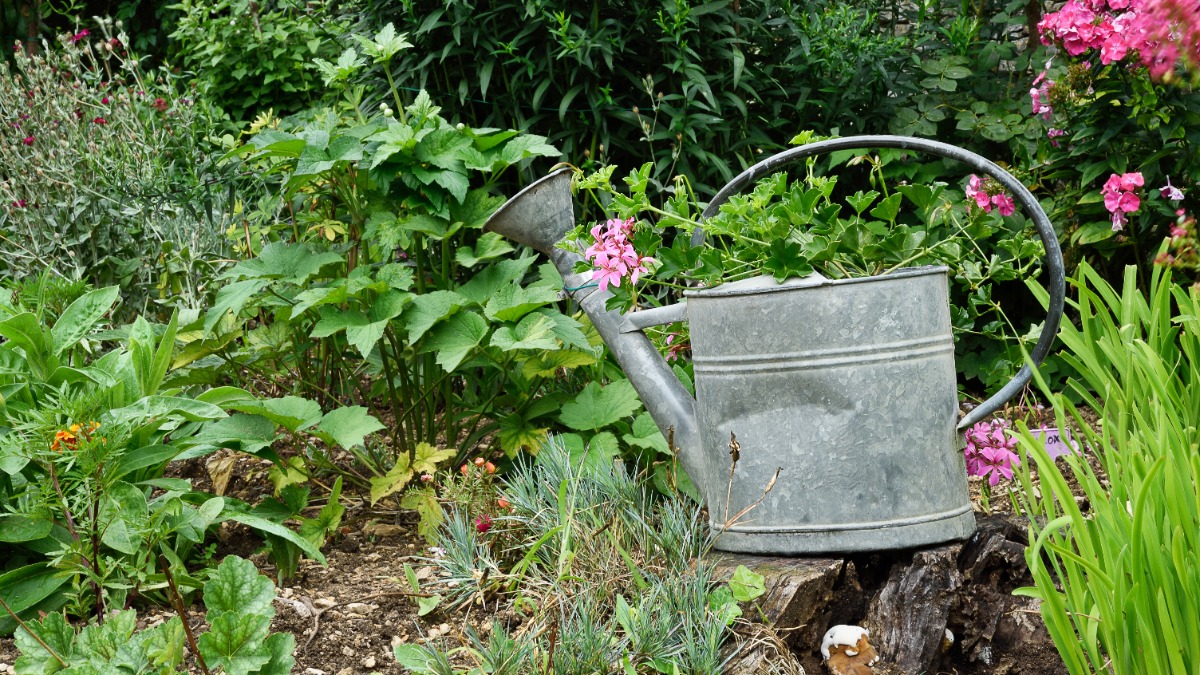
<point>988,194</point>
<point>1119,197</point>
<point>1160,32</point>
<point>990,452</point>
<point>1040,96</point>
<point>612,254</point>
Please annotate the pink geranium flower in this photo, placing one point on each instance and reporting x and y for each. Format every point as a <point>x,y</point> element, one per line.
<point>613,255</point>
<point>1004,204</point>
<point>990,451</point>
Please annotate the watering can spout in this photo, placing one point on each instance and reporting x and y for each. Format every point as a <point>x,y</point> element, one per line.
<point>540,216</point>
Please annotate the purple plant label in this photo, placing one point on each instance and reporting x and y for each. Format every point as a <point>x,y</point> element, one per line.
<point>1058,441</point>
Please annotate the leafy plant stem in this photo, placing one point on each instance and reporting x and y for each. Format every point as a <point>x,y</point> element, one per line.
<point>395,93</point>
<point>177,600</point>
<point>34,635</point>
<point>394,401</point>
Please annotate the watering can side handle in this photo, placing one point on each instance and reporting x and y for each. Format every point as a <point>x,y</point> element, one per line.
<point>641,320</point>
<point>1053,262</point>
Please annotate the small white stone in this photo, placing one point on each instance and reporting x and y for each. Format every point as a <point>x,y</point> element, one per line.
<point>368,662</point>
<point>323,603</point>
<point>347,651</point>
<point>359,608</point>
<point>444,628</point>
<point>313,671</point>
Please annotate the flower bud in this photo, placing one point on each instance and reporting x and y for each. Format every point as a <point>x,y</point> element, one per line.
<point>479,461</point>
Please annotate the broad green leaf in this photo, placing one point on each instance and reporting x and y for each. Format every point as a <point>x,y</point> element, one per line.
<point>81,316</point>
<point>646,435</point>
<point>385,45</point>
<point>490,245</point>
<point>597,407</point>
<point>281,646</point>
<point>512,302</point>
<point>18,527</point>
<point>597,456</point>
<point>441,148</point>
<point>23,330</point>
<point>492,278</point>
<point>516,433</point>
<point>425,502</point>
<point>151,407</point>
<point>54,632</point>
<point>145,456</point>
<point>290,262</point>
<point>473,212</point>
<point>236,587</point>
<point>567,329</point>
<point>455,338</point>
<point>29,587</point>
<point>328,518</point>
<point>248,433</point>
<point>122,516</point>
<point>427,605</point>
<point>428,309</point>
<point>290,412</point>
<point>535,331</point>
<point>746,584</point>
<point>290,473</point>
<point>236,643</point>
<point>231,298</point>
<point>526,146</point>
<point>347,427</point>
<point>393,481</point>
<point>547,364</point>
<point>888,208</point>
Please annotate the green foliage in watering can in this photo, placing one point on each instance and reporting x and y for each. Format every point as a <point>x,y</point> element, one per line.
<point>372,284</point>
<point>1116,572</point>
<point>790,228</point>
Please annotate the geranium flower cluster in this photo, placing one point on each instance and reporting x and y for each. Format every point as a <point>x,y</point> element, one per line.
<point>990,451</point>
<point>987,194</point>
<point>613,255</point>
<point>1120,197</point>
<point>1159,32</point>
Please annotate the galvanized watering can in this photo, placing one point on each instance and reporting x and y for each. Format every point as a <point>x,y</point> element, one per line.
<point>842,389</point>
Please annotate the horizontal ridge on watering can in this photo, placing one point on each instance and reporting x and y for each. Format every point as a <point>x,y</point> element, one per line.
<point>838,398</point>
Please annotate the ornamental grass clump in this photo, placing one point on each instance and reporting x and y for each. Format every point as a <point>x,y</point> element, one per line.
<point>1116,572</point>
<point>105,172</point>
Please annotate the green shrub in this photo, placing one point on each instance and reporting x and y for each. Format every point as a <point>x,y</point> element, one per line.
<point>253,56</point>
<point>699,88</point>
<point>106,174</point>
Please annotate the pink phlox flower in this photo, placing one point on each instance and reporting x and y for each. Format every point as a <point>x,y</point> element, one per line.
<point>974,190</point>
<point>990,451</point>
<point>1132,181</point>
<point>1170,192</point>
<point>1039,96</point>
<point>1004,204</point>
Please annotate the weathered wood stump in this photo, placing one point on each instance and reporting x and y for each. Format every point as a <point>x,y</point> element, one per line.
<point>908,600</point>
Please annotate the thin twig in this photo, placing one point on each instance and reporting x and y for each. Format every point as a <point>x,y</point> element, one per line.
<point>386,594</point>
<point>177,600</point>
<point>751,507</point>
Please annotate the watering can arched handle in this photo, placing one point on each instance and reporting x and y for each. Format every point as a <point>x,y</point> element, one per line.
<point>1053,262</point>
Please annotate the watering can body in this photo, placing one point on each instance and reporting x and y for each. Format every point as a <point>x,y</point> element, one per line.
<point>825,411</point>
